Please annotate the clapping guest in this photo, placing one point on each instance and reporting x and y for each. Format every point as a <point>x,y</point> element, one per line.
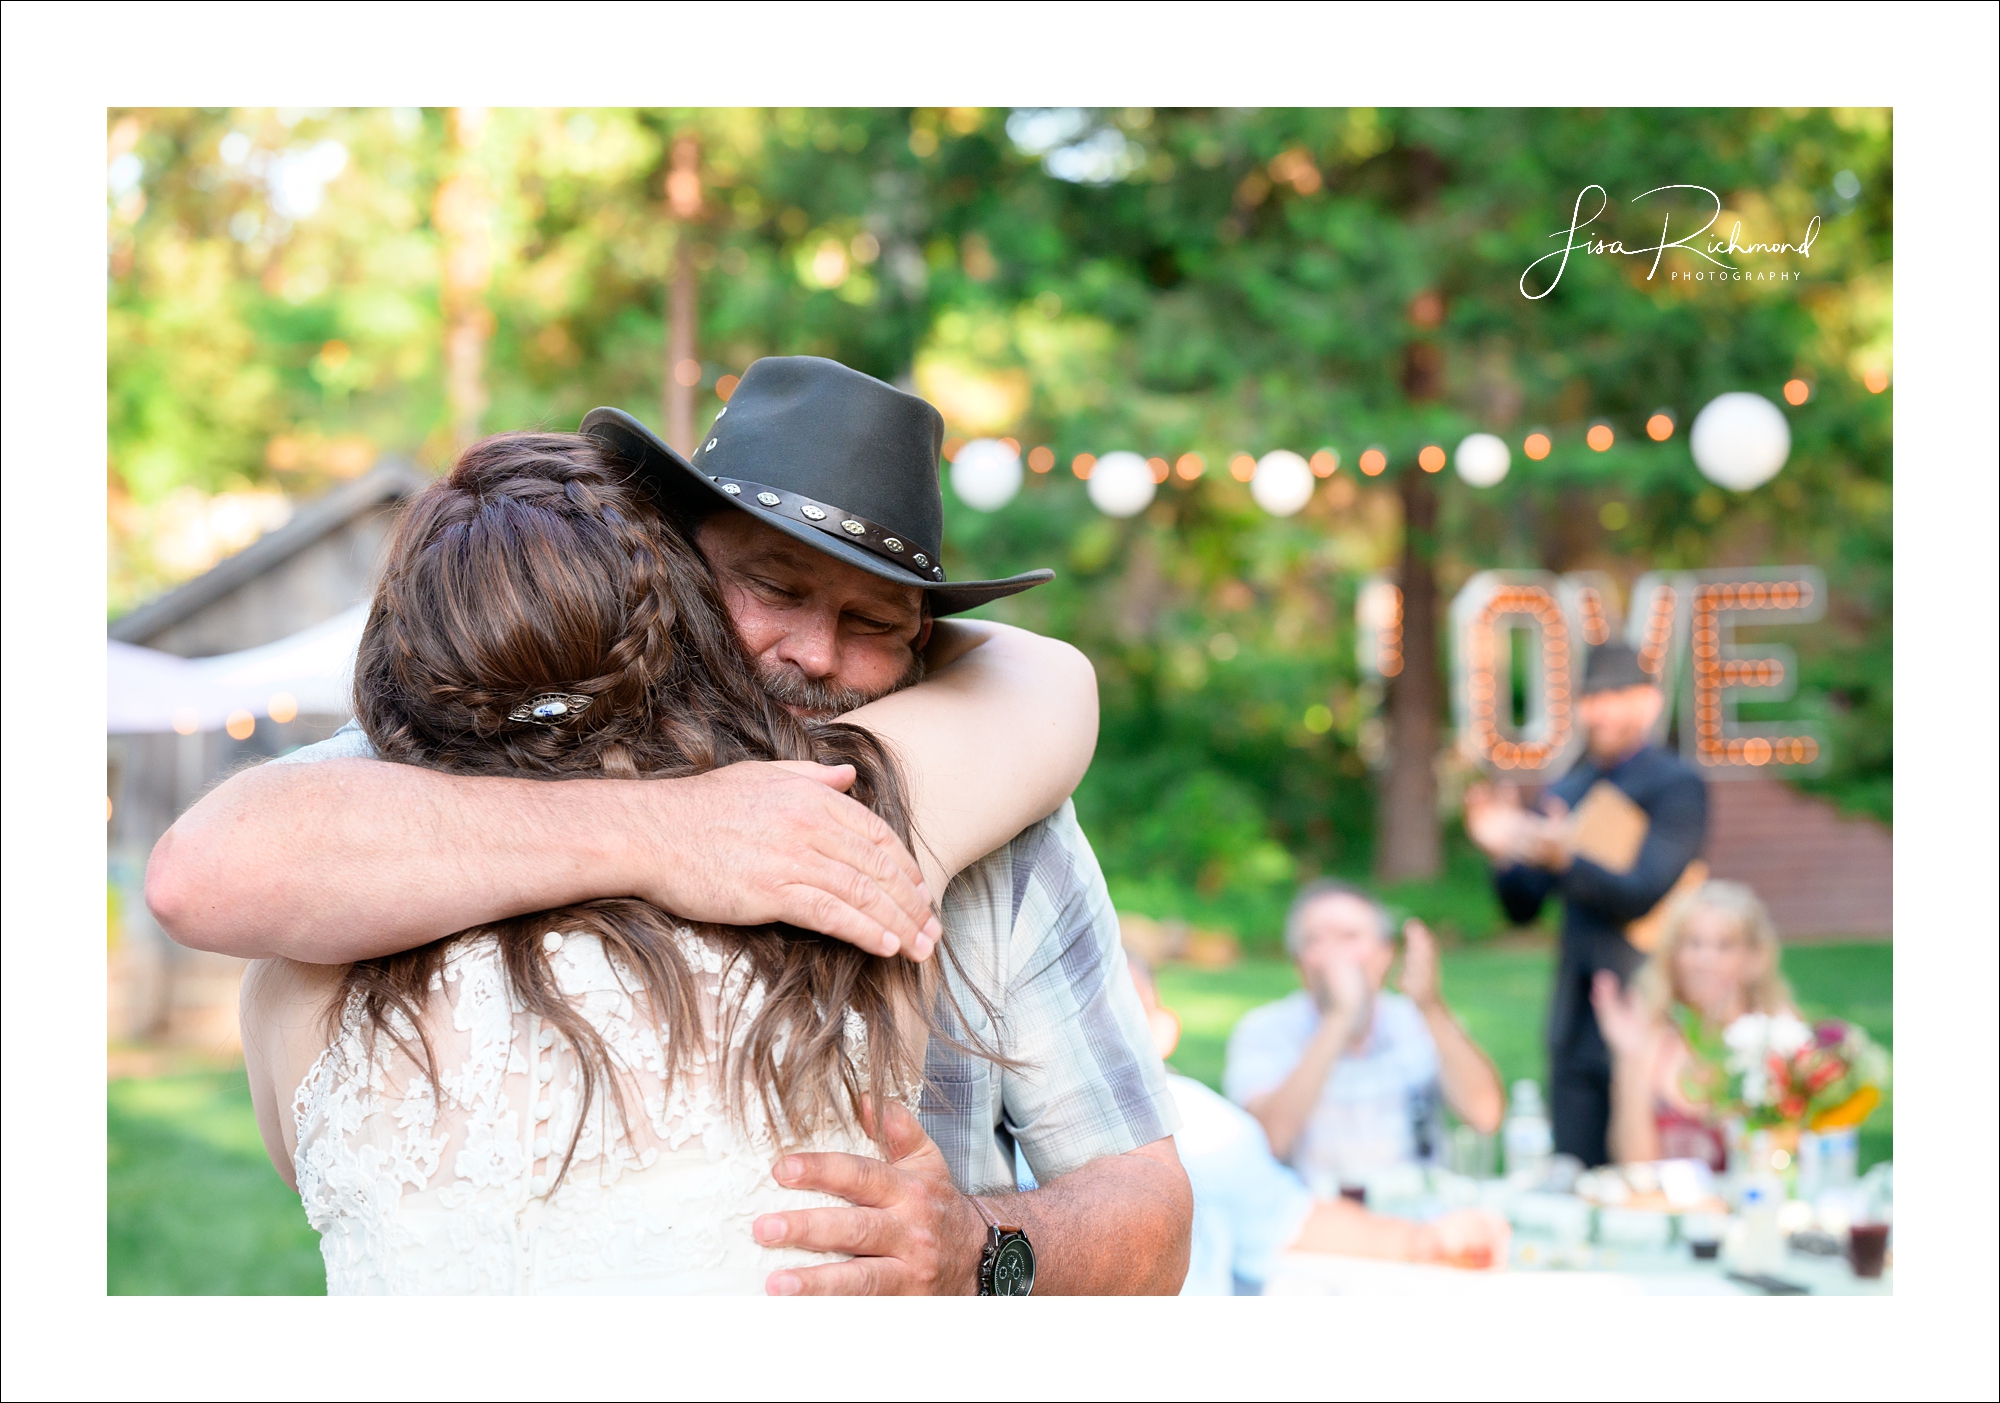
<point>1718,960</point>
<point>1248,1208</point>
<point>1344,1076</point>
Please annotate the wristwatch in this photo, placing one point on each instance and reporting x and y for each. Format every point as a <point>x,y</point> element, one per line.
<point>1007,1265</point>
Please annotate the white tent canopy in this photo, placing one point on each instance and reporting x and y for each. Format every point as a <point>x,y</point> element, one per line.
<point>310,673</point>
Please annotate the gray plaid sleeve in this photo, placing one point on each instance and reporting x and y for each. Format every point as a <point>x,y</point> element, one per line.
<point>1092,1084</point>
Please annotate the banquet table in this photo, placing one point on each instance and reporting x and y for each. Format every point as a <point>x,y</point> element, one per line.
<point>1671,1271</point>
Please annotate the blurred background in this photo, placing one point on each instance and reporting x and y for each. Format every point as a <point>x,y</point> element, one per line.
<point>312,310</point>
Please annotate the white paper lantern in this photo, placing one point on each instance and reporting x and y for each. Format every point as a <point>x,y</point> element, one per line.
<point>1740,440</point>
<point>986,474</point>
<point>1283,482</point>
<point>1121,484</point>
<point>1483,459</point>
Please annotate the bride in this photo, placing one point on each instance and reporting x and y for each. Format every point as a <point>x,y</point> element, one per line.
<point>590,1100</point>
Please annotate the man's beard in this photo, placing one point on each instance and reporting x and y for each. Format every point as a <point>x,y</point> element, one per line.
<point>822,701</point>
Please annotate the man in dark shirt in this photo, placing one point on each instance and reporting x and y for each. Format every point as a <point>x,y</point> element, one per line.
<point>1534,855</point>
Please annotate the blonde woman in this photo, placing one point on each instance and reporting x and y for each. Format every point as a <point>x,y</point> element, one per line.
<point>1718,959</point>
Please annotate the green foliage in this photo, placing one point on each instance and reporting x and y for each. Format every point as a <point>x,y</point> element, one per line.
<point>1222,282</point>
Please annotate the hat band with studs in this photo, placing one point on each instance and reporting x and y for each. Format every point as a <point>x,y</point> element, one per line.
<point>841,524</point>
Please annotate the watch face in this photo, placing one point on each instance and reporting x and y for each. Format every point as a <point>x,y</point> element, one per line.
<point>1014,1268</point>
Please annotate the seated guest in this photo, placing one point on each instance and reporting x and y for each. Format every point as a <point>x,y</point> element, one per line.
<point>1344,1077</point>
<point>1248,1208</point>
<point>1717,960</point>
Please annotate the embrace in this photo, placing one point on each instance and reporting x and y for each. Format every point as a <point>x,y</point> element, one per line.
<point>786,981</point>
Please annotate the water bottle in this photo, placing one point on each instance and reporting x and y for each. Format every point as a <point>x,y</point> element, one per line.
<point>1526,1133</point>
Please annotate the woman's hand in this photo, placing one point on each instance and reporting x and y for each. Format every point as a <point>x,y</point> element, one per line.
<point>1627,1029</point>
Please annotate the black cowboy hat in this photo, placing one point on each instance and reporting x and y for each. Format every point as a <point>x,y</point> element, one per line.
<point>829,456</point>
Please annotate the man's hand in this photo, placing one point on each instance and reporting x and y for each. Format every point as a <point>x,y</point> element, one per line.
<point>1470,1237</point>
<point>780,841</point>
<point>1340,987</point>
<point>1493,820</point>
<point>1420,965</point>
<point>1544,839</point>
<point>908,1231</point>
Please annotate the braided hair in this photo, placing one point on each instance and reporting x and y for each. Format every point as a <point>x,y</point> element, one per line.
<point>539,566</point>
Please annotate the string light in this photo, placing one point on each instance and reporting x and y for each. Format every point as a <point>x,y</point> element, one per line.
<point>1536,445</point>
<point>1797,392</point>
<point>1717,667</point>
<point>187,721</point>
<point>1373,461</point>
<point>725,387</point>
<point>1482,459</point>
<point>1242,467</point>
<point>1876,380</point>
<point>1740,440</point>
<point>1081,465</point>
<point>986,473</point>
<point>951,447</point>
<point>1121,484</point>
<point>1325,463</point>
<point>283,707</point>
<point>1283,483</point>
<point>1041,459</point>
<point>240,725</point>
<point>1190,466</point>
<point>1600,436</point>
<point>1430,458</point>
<point>1159,467</point>
<point>1660,427</point>
<point>1378,612</point>
<point>1480,609</point>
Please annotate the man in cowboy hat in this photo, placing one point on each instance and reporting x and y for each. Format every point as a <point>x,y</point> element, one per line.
<point>814,498</point>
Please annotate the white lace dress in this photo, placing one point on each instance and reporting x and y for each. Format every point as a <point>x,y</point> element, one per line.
<point>446,1190</point>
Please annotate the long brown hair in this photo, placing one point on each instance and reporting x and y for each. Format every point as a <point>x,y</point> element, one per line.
<point>536,567</point>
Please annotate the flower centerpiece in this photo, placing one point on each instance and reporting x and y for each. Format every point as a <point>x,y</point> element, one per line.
<point>1773,1072</point>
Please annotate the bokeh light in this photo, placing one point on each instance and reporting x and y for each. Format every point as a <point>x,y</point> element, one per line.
<point>1876,380</point>
<point>725,387</point>
<point>1041,459</point>
<point>1740,440</point>
<point>1242,467</point>
<point>1319,718</point>
<point>1283,483</point>
<point>283,707</point>
<point>186,721</point>
<point>1373,461</point>
<point>1660,427</point>
<point>1159,467</point>
<point>1190,466</point>
<point>1797,392</point>
<point>240,725</point>
<point>951,447</point>
<point>1081,465</point>
<point>1483,459</point>
<point>1122,484</point>
<point>1431,458</point>
<point>1614,516</point>
<point>1325,463</point>
<point>986,473</point>
<point>1536,445</point>
<point>687,372</point>
<point>1600,436</point>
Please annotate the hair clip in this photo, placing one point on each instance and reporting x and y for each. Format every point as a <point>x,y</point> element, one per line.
<point>549,709</point>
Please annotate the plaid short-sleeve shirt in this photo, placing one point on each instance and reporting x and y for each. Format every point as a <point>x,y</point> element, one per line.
<point>1032,925</point>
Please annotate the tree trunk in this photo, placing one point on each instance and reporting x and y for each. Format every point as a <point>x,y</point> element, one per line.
<point>1406,814</point>
<point>683,371</point>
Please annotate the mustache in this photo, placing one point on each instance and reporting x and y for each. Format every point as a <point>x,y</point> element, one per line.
<point>821,699</point>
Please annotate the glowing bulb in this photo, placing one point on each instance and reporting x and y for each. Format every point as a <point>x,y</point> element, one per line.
<point>1081,465</point>
<point>1536,446</point>
<point>1876,381</point>
<point>1121,484</point>
<point>725,387</point>
<point>951,447</point>
<point>1283,482</point>
<point>986,474</point>
<point>1431,458</point>
<point>1325,463</point>
<point>1599,437</point>
<point>283,707</point>
<point>1660,427</point>
<point>1740,440</point>
<point>1190,466</point>
<point>1242,467</point>
<point>240,725</point>
<point>186,721</point>
<point>1159,467</point>
<point>1482,459</point>
<point>1041,459</point>
<point>1373,461</point>
<point>1797,392</point>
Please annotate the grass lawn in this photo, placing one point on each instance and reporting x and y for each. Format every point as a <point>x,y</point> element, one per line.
<point>195,1208</point>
